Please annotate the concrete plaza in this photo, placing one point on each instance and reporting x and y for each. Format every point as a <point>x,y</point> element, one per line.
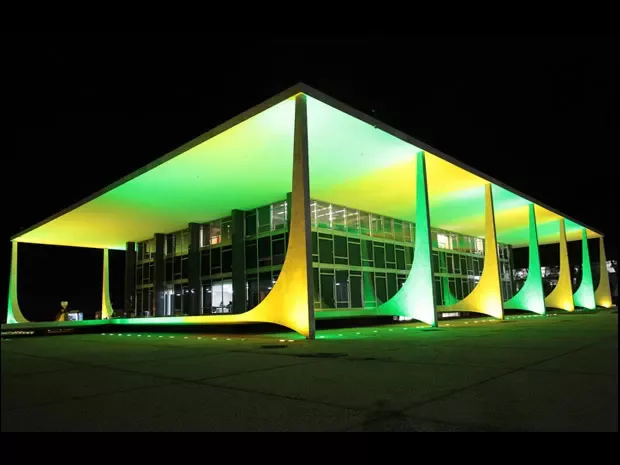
<point>531,373</point>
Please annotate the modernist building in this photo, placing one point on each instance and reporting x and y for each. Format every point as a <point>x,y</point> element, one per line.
<point>304,208</point>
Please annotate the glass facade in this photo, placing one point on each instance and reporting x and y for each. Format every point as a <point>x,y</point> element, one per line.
<point>360,260</point>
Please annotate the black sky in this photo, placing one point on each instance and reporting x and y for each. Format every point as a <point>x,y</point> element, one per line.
<point>537,112</point>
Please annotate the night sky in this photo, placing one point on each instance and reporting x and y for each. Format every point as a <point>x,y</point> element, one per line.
<point>89,109</point>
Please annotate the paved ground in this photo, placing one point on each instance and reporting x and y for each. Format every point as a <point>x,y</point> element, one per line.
<point>557,373</point>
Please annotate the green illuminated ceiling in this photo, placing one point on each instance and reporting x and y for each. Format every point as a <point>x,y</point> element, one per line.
<point>249,164</point>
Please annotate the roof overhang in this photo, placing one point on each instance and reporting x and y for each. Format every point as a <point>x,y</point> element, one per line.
<point>355,160</point>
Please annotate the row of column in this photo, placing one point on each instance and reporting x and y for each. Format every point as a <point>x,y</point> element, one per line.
<point>290,303</point>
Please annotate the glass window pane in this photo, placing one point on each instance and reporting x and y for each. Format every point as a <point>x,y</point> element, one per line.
<point>250,223</point>
<point>251,259</point>
<point>368,284</point>
<point>376,225</point>
<point>264,251</point>
<point>388,231</point>
<point>226,259</point>
<point>400,259</point>
<point>381,289</point>
<point>323,215</point>
<point>278,250</point>
<point>326,251</point>
<point>278,216</point>
<point>216,233</point>
<point>342,289</point>
<point>379,252</point>
<point>355,253</point>
<point>398,231</point>
<point>364,223</point>
<point>367,253</point>
<point>226,225</point>
<point>327,291</point>
<point>264,219</point>
<point>315,247</point>
<point>353,221</point>
<point>355,283</point>
<point>216,261</point>
<point>392,285</point>
<point>340,246</point>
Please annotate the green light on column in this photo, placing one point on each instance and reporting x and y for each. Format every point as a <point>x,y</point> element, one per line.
<point>584,297</point>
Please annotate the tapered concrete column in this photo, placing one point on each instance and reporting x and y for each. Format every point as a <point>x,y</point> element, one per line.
<point>106,305</point>
<point>238,261</point>
<point>300,210</point>
<point>584,296</point>
<point>130,277</point>
<point>14,313</point>
<point>603,291</point>
<point>160,243</point>
<point>562,295</point>
<point>415,299</point>
<point>531,296</point>
<point>194,265</point>
<point>487,295</point>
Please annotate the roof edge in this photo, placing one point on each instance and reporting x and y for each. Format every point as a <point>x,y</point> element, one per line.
<point>241,117</point>
<point>268,103</point>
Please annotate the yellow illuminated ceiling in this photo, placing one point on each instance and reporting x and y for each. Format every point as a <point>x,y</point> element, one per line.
<point>247,163</point>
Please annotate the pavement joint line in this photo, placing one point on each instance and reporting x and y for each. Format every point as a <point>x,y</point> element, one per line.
<point>493,378</point>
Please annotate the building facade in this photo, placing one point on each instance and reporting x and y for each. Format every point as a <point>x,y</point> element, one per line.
<point>304,208</point>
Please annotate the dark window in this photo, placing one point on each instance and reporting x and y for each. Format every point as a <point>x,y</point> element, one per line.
<point>252,291</point>
<point>170,243</point>
<point>326,251</point>
<point>315,285</point>
<point>379,255</point>
<point>392,285</point>
<point>355,253</point>
<point>264,251</point>
<point>250,223</point>
<point>381,288</point>
<point>184,267</point>
<point>355,283</point>
<point>251,260</point>
<point>400,259</point>
<point>265,284</point>
<point>315,246</point>
<point>327,290</point>
<point>216,260</point>
<point>264,219</point>
<point>367,253</point>
<point>368,284</point>
<point>340,246</point>
<point>390,256</point>
<point>226,259</point>
<point>206,263</point>
<point>169,270</point>
<point>450,262</point>
<point>278,249</point>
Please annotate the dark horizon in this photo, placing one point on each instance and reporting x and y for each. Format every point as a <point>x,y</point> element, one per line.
<point>91,109</point>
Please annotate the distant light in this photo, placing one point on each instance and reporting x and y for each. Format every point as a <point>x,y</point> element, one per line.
<point>282,340</point>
